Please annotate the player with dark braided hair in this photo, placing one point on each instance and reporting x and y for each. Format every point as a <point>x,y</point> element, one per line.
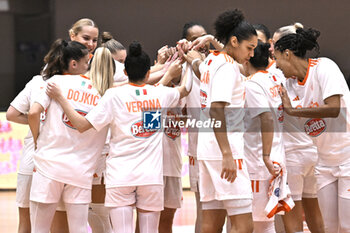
<point>316,93</point>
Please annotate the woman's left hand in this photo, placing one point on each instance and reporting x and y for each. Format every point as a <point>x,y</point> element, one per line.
<point>53,91</point>
<point>287,106</point>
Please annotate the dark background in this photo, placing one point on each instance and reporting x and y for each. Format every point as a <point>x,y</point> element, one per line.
<point>30,26</point>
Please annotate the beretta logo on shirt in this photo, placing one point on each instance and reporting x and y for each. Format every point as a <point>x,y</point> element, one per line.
<point>66,121</point>
<point>172,131</point>
<point>138,130</point>
<point>314,127</point>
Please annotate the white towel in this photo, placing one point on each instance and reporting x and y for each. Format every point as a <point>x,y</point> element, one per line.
<point>280,200</point>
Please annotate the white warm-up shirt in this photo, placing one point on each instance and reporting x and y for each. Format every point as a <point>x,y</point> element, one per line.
<point>172,149</point>
<point>119,75</point>
<point>294,137</point>
<point>331,135</point>
<point>64,154</point>
<point>221,82</point>
<point>23,101</point>
<point>135,156</point>
<point>262,96</point>
<point>193,106</point>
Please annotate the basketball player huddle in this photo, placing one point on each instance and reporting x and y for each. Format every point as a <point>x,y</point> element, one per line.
<point>282,146</point>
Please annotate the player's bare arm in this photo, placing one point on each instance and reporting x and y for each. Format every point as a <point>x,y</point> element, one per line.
<point>78,121</point>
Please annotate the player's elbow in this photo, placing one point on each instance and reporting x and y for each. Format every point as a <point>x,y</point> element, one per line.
<point>81,129</point>
<point>33,113</point>
<point>334,112</point>
<point>215,112</point>
<point>10,116</point>
<point>183,92</point>
<point>83,126</point>
<point>266,122</point>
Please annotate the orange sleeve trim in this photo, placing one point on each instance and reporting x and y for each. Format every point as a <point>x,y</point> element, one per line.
<point>257,186</point>
<point>252,181</point>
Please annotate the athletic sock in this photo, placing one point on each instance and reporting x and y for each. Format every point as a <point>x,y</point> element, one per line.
<point>149,222</point>
<point>122,219</point>
<point>99,220</point>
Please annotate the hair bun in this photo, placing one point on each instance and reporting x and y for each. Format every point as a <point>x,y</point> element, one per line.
<point>64,43</point>
<point>106,36</point>
<point>135,49</point>
<point>226,22</point>
<point>310,34</point>
<point>307,39</point>
<point>298,25</point>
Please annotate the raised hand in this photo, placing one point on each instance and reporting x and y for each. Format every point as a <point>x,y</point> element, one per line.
<point>190,56</point>
<point>184,45</point>
<point>175,69</point>
<point>287,106</point>
<point>53,91</point>
<point>161,54</point>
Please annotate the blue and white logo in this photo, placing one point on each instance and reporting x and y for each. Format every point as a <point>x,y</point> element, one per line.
<point>152,119</point>
<point>277,192</point>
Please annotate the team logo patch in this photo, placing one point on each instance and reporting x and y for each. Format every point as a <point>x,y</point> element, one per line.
<point>138,130</point>
<point>66,121</point>
<point>152,119</point>
<point>43,116</point>
<point>315,127</point>
<point>277,192</point>
<point>172,130</point>
<point>203,96</point>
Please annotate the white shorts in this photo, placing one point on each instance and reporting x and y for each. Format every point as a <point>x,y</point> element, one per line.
<point>260,200</point>
<point>233,207</point>
<point>213,187</point>
<point>194,173</point>
<point>302,182</point>
<point>145,197</point>
<point>61,206</point>
<point>172,192</point>
<point>326,175</point>
<point>46,190</point>
<point>24,182</point>
<point>100,170</point>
